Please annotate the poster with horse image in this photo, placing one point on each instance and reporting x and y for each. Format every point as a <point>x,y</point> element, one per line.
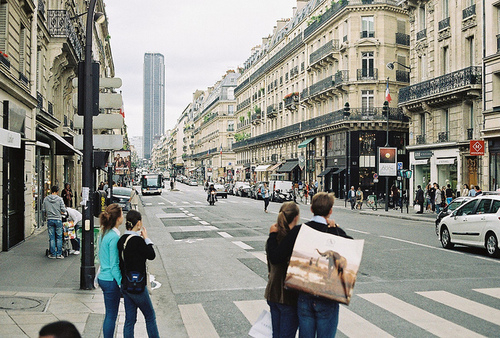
<point>324,265</point>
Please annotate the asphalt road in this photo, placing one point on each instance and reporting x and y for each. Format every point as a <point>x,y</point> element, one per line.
<point>212,268</point>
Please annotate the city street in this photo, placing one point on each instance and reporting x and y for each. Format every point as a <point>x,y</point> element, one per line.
<point>408,286</point>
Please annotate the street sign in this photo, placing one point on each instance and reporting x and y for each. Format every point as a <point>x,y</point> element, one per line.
<point>400,165</point>
<point>103,142</point>
<point>106,101</point>
<point>375,176</point>
<point>476,148</point>
<point>102,121</point>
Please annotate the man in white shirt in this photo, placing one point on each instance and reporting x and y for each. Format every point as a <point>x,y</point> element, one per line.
<point>76,217</point>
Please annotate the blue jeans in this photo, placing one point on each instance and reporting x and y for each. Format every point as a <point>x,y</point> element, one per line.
<point>143,302</point>
<point>285,320</point>
<point>112,294</point>
<point>449,199</point>
<point>55,229</point>
<point>317,316</point>
<point>266,202</point>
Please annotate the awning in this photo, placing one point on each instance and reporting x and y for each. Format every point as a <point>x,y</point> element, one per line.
<point>274,167</point>
<point>262,167</point>
<point>306,142</point>
<point>195,168</point>
<point>420,162</point>
<point>325,172</point>
<point>440,161</point>
<point>338,171</point>
<point>63,147</point>
<point>288,166</point>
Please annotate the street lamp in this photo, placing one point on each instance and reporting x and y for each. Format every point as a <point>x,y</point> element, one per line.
<point>385,112</point>
<point>89,105</point>
<point>390,66</point>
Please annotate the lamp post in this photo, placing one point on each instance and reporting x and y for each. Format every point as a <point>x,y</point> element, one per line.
<point>385,111</point>
<point>87,269</point>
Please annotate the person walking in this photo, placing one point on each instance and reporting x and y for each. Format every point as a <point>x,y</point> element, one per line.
<point>67,195</point>
<point>134,199</point>
<point>352,197</point>
<point>53,208</point>
<point>110,277</point>
<point>359,198</point>
<point>134,248</point>
<point>265,196</point>
<point>478,191</point>
<point>76,217</point>
<point>449,194</point>
<point>472,191</point>
<point>282,302</point>
<point>465,190</point>
<point>419,199</point>
<point>438,198</point>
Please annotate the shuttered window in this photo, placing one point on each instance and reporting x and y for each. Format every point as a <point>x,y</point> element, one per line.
<point>3,27</point>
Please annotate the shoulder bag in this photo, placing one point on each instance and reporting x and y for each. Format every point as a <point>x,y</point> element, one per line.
<point>133,281</point>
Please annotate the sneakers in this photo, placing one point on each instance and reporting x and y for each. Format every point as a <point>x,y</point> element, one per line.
<point>60,257</point>
<point>266,211</point>
<point>75,252</point>
<point>52,256</point>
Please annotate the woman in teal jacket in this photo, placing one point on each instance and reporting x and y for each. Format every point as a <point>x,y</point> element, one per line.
<point>110,275</point>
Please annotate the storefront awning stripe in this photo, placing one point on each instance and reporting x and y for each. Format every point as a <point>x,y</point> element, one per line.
<point>305,143</point>
<point>325,172</point>
<point>288,166</point>
<point>262,167</point>
<point>274,167</point>
<point>59,139</point>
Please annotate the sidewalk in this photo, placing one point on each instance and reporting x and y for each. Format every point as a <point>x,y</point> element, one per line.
<point>411,215</point>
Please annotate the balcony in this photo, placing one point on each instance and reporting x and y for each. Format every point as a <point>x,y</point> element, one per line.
<point>468,12</point>
<point>443,24</point>
<point>470,133</point>
<point>256,118</point>
<point>402,39</point>
<point>366,34</point>
<point>325,17</point>
<point>420,139</point>
<point>304,94</point>
<point>271,111</point>
<point>291,99</point>
<point>321,86</point>
<point>341,76</point>
<point>422,34</point>
<point>243,104</point>
<point>462,80</point>
<point>367,74</point>
<point>59,25</point>
<point>4,61</point>
<point>324,52</point>
<point>23,79</point>
<point>443,136</point>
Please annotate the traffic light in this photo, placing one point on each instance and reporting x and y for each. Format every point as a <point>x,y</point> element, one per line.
<point>81,88</point>
<point>385,109</point>
<point>347,110</point>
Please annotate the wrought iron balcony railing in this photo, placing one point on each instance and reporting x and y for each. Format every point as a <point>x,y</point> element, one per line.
<point>469,11</point>
<point>324,51</point>
<point>498,43</point>
<point>244,104</point>
<point>304,94</point>
<point>443,136</point>
<point>367,74</point>
<point>341,76</point>
<point>445,23</point>
<point>422,34</point>
<point>292,99</point>
<point>321,86</point>
<point>367,34</point>
<point>4,61</point>
<point>452,81</point>
<point>470,133</point>
<point>402,76</point>
<point>334,9</point>
<point>402,39</point>
<point>420,139</point>
<point>59,25</point>
<point>271,108</point>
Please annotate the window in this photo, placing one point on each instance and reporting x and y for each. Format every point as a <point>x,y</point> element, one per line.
<point>230,109</point>
<point>484,206</point>
<point>495,207</point>
<point>367,64</point>
<point>466,209</point>
<point>421,17</point>
<point>446,12</point>
<point>446,120</point>
<point>346,29</point>
<point>445,60</point>
<point>422,124</point>
<point>402,26</point>
<point>366,100</point>
<point>470,50</point>
<point>367,27</point>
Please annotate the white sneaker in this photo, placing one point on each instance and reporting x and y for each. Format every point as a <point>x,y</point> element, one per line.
<point>75,252</point>
<point>71,252</point>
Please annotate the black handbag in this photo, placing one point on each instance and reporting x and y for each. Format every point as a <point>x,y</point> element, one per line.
<point>132,281</point>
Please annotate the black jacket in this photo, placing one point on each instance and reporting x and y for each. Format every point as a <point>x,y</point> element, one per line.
<point>420,196</point>
<point>136,253</point>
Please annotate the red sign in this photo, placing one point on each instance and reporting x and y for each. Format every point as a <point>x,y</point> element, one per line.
<point>476,148</point>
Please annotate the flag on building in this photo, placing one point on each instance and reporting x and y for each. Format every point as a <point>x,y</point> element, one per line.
<point>387,93</point>
<point>221,149</point>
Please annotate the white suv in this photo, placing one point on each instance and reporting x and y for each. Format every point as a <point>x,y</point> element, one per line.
<point>475,223</point>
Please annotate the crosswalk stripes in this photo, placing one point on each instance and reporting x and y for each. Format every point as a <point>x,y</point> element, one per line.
<point>351,324</point>
<point>421,318</point>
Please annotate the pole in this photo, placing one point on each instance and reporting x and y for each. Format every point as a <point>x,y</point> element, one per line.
<point>387,144</point>
<point>87,269</point>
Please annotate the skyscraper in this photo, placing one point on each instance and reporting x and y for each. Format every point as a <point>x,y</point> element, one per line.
<point>154,100</point>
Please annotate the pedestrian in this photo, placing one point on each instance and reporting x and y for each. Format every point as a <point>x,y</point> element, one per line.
<point>265,196</point>
<point>478,190</point>
<point>472,191</point>
<point>171,184</point>
<point>134,248</point>
<point>76,217</point>
<point>419,199</point>
<point>359,198</point>
<point>109,276</point>
<point>53,208</point>
<point>282,302</point>
<point>395,196</point>
<point>67,195</point>
<point>443,196</point>
<point>449,194</point>
<point>438,198</point>
<point>432,196</point>
<point>134,199</point>
<point>427,197</point>
<point>465,190</point>
<point>352,197</point>
<point>60,329</point>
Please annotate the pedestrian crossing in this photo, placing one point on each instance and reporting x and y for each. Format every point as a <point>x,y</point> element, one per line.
<point>351,324</point>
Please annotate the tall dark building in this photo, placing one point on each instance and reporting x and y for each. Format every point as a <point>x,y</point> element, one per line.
<point>154,100</point>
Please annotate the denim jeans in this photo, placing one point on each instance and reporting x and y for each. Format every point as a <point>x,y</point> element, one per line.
<point>266,202</point>
<point>75,243</point>
<point>55,229</point>
<point>143,302</point>
<point>284,319</point>
<point>317,316</point>
<point>112,294</point>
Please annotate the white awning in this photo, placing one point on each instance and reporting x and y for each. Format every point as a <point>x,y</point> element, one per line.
<point>262,167</point>
<point>446,160</point>
<point>420,162</point>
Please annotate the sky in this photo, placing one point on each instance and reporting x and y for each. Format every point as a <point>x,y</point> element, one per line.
<point>200,40</point>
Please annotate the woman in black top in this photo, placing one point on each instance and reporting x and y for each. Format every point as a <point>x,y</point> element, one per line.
<point>67,195</point>
<point>138,248</point>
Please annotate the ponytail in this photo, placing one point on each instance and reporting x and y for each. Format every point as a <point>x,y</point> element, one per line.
<point>109,217</point>
<point>288,212</point>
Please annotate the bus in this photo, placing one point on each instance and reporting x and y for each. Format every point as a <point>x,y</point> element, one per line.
<point>151,184</point>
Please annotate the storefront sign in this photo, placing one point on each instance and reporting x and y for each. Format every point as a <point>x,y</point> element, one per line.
<point>421,154</point>
<point>387,161</point>
<point>476,148</point>
<point>420,162</point>
<point>441,161</point>
<point>10,139</point>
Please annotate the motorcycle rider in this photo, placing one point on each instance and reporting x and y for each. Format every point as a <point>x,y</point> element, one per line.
<point>210,189</point>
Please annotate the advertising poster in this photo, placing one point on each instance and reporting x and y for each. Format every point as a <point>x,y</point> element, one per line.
<point>387,161</point>
<point>122,162</point>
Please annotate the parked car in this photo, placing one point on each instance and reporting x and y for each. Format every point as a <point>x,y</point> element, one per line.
<point>257,190</point>
<point>121,197</point>
<point>451,207</point>
<point>475,223</point>
<point>241,189</point>
<point>237,186</point>
<point>221,190</point>
<point>193,182</point>
<point>229,188</point>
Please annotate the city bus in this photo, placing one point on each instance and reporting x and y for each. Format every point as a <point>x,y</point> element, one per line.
<point>151,184</point>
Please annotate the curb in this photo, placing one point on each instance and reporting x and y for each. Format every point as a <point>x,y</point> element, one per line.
<point>401,216</point>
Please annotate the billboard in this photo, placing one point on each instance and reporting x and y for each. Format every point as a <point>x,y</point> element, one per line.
<point>387,161</point>
<point>122,162</point>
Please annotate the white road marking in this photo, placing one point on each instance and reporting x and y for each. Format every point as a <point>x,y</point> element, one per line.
<point>161,203</point>
<point>251,309</point>
<point>423,319</point>
<point>172,215</point>
<point>261,255</point>
<point>196,218</point>
<point>196,321</point>
<point>204,222</point>
<point>243,245</point>
<point>353,325</point>
<point>493,292</point>
<point>197,228</point>
<point>225,234</point>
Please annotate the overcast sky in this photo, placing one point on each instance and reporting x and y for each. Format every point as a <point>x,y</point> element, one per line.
<point>200,40</point>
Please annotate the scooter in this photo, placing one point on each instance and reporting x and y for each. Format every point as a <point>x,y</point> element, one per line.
<point>212,198</point>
